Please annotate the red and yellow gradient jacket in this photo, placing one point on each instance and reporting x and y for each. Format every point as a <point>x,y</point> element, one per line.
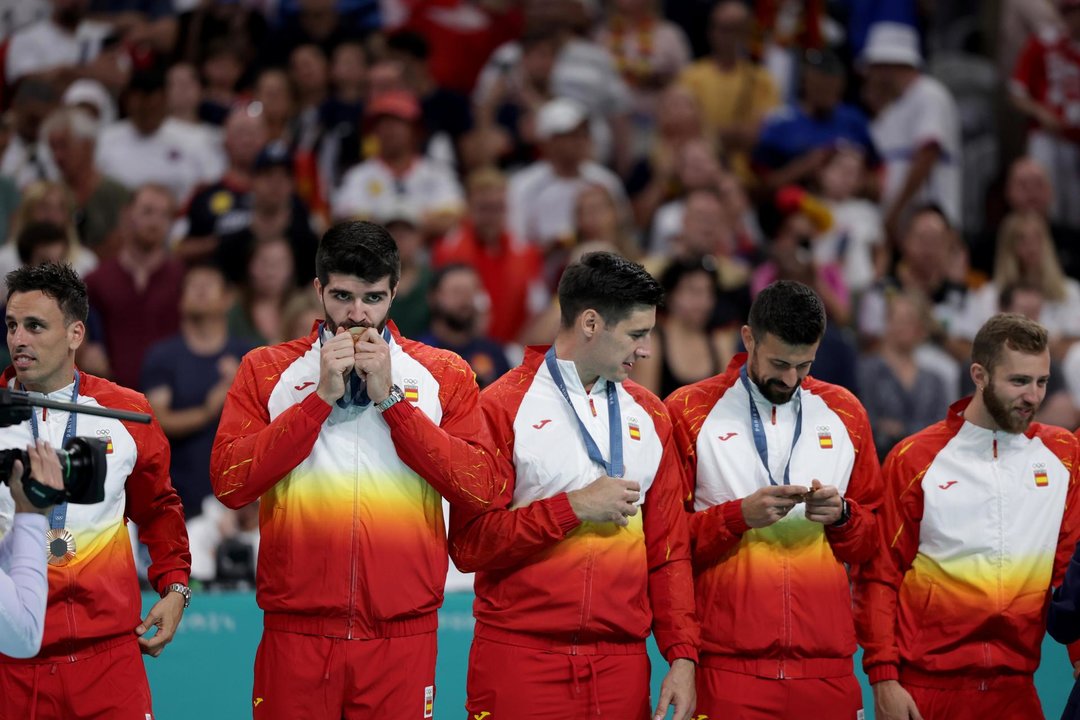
<point>544,579</point>
<point>353,539</point>
<point>775,601</point>
<point>977,525</point>
<point>94,600</point>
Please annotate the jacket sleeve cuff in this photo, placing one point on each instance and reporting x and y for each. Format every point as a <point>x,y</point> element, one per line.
<point>316,408</point>
<point>881,673</point>
<point>849,521</point>
<point>684,651</point>
<point>398,413</point>
<point>176,576</point>
<point>733,518</point>
<point>564,512</point>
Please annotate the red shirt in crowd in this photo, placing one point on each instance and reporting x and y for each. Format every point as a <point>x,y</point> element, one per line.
<point>1048,72</point>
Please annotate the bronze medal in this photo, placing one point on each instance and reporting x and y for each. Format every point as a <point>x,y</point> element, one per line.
<point>60,546</point>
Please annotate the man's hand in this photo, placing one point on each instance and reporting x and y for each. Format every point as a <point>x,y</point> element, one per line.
<point>215,399</point>
<point>372,361</point>
<point>769,504</point>
<point>606,499</point>
<point>44,467</point>
<point>335,361</point>
<point>677,691</point>
<point>824,504</point>
<point>893,702</point>
<point>166,615</point>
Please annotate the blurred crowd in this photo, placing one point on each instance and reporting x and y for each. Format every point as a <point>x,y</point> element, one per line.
<point>916,163</point>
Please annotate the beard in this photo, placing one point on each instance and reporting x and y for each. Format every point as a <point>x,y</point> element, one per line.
<point>1002,414</point>
<point>773,390</point>
<point>461,322</point>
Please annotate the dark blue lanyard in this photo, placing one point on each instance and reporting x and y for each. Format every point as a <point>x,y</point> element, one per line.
<point>615,467</point>
<point>356,392</point>
<point>59,514</point>
<point>758,429</point>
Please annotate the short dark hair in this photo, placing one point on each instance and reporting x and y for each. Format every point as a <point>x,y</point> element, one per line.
<point>38,234</point>
<point>359,248</point>
<point>1007,330</point>
<point>409,43</point>
<point>55,280</point>
<point>609,284</point>
<point>678,269</point>
<point>447,270</point>
<point>790,311</point>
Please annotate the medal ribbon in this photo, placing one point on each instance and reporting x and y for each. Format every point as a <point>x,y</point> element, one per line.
<point>614,468</point>
<point>758,429</point>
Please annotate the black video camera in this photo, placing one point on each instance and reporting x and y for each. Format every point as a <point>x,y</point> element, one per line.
<point>83,464</point>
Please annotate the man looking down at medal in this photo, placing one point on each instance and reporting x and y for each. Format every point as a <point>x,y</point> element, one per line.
<point>350,436</point>
<point>23,583</point>
<point>588,550</point>
<point>90,663</point>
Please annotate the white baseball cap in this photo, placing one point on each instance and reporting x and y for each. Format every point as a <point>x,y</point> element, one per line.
<point>559,116</point>
<point>891,43</point>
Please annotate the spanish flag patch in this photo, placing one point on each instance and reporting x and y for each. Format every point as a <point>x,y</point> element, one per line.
<point>1041,478</point>
<point>105,437</point>
<point>824,439</point>
<point>412,391</point>
<point>635,430</point>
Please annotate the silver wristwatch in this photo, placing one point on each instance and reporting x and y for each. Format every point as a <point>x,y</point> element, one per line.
<point>395,396</point>
<point>179,588</point>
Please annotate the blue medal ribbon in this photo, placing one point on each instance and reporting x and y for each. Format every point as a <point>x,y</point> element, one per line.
<point>757,427</point>
<point>614,468</point>
<point>59,514</point>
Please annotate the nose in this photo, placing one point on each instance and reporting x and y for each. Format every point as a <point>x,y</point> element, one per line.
<point>790,377</point>
<point>1033,394</point>
<point>644,348</point>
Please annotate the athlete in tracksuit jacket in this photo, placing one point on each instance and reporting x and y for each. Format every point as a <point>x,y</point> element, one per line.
<point>353,541</point>
<point>978,525</point>
<point>563,607</point>
<point>778,634</point>
<point>90,664</point>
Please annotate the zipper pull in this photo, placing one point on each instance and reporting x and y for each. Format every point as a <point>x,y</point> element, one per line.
<point>995,448</point>
<point>773,414</point>
<point>592,407</point>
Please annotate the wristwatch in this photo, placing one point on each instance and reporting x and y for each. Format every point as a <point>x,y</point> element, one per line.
<point>395,396</point>
<point>845,514</point>
<point>179,588</point>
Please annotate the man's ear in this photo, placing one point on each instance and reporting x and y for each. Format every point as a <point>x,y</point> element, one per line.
<point>747,338</point>
<point>979,375</point>
<point>76,333</point>
<point>590,323</point>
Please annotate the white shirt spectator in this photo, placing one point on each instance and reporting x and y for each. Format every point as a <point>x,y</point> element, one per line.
<point>856,232</point>
<point>45,46</point>
<point>926,113</point>
<point>24,586</point>
<point>25,163</point>
<point>371,190</point>
<point>17,14</point>
<point>666,225</point>
<point>172,156</point>
<point>1061,319</point>
<point>540,204</point>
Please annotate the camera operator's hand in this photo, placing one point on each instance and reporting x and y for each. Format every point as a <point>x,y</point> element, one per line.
<point>166,615</point>
<point>44,467</point>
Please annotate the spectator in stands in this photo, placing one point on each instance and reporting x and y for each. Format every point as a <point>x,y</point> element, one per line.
<point>275,94</point>
<point>649,52</point>
<point>793,222</point>
<point>735,93</point>
<point>258,316</point>
<point>686,345</point>
<point>92,97</point>
<point>399,174</point>
<point>56,48</point>
<point>136,294</point>
<point>506,107</point>
<point>900,395</point>
<point>797,140</point>
<point>317,22</point>
<point>459,308</point>
<point>183,98</point>
<point>446,114</point>
<point>508,269</point>
<point>225,206</point>
<point>916,128</point>
<point>410,310</point>
<point>23,159</point>
<point>597,221</point>
<point>583,71</point>
<point>542,196</point>
<point>695,166</point>
<point>71,135</point>
<point>1028,189</point>
<point>302,311</point>
<point>149,147</point>
<point>42,242</point>
<point>654,180</point>
<point>1026,255</point>
<point>309,71</point>
<point>856,240</point>
<point>339,114</point>
<point>222,67</point>
<point>185,378</point>
<point>1043,88</point>
<point>51,203</point>
<point>225,545</point>
<point>275,210</point>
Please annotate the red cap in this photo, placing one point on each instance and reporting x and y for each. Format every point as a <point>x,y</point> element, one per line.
<point>395,103</point>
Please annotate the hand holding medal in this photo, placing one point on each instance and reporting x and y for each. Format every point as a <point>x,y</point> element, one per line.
<point>371,356</point>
